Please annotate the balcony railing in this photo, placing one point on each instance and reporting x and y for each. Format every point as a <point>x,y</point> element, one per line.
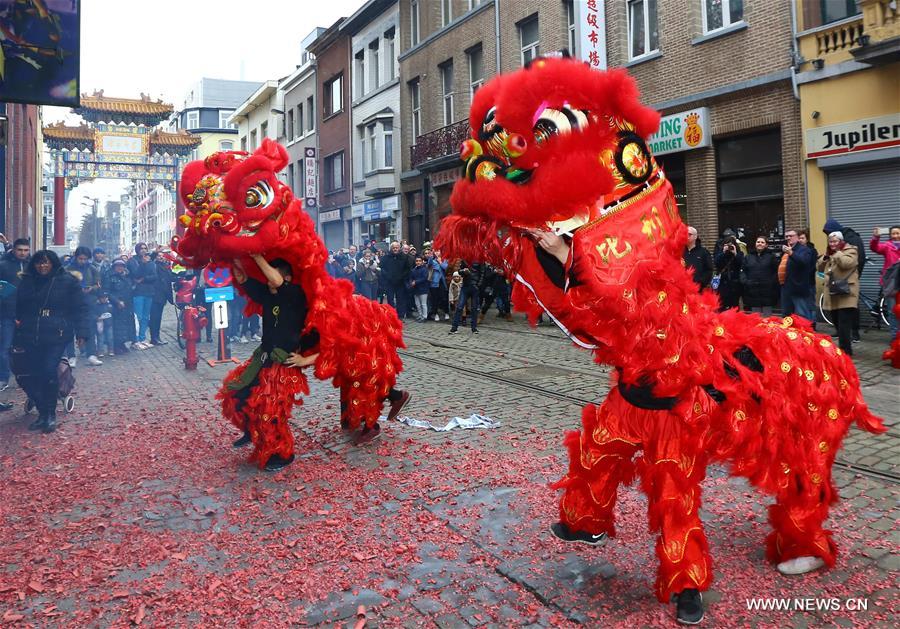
<point>439,143</point>
<point>841,37</point>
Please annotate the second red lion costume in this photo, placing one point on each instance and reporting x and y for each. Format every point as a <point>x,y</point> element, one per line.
<point>237,207</point>
<point>559,146</point>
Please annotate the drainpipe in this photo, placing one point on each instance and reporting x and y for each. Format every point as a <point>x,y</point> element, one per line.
<point>497,34</point>
<point>795,50</point>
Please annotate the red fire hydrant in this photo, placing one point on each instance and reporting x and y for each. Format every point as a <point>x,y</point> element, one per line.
<point>193,323</point>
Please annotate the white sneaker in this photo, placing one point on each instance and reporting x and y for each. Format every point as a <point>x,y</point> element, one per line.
<point>243,339</point>
<point>446,317</point>
<point>72,361</point>
<point>93,360</point>
<point>437,317</point>
<point>256,337</point>
<point>800,565</point>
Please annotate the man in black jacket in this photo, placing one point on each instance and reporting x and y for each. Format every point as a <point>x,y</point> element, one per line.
<point>472,279</point>
<point>395,269</point>
<point>12,266</point>
<point>698,259</point>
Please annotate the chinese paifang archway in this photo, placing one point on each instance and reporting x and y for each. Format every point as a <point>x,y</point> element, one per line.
<point>118,140</point>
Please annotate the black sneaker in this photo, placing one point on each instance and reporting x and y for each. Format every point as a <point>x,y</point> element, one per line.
<point>5,406</point>
<point>276,462</point>
<point>474,331</point>
<point>37,424</point>
<point>563,532</point>
<point>689,607</point>
<point>453,331</point>
<point>243,441</point>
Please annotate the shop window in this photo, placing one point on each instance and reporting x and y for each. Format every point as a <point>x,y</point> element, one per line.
<point>751,184</point>
<point>643,28</point>
<point>673,166</point>
<point>721,13</point>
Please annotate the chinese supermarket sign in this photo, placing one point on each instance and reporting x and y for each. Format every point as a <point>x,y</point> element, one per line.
<point>310,185</point>
<point>681,132</point>
<point>590,33</point>
<point>853,137</point>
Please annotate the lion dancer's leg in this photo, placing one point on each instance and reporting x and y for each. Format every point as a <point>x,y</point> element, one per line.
<point>798,543</point>
<point>599,460</point>
<point>363,408</point>
<point>263,409</point>
<point>673,467</point>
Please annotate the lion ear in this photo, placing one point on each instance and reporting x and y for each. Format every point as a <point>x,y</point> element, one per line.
<point>276,154</point>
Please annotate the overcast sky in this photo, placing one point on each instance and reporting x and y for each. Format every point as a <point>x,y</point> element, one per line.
<point>162,47</point>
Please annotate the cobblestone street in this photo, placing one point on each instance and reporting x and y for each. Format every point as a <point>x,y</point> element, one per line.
<point>138,511</point>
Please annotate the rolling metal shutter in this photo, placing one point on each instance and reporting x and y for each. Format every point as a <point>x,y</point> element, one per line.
<point>862,197</point>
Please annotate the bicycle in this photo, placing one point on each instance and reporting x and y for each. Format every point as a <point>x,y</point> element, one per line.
<point>875,307</point>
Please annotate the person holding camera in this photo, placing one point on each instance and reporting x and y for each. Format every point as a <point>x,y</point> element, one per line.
<point>143,274</point>
<point>759,278</point>
<point>797,260</point>
<point>367,272</point>
<point>728,269</point>
<point>840,262</point>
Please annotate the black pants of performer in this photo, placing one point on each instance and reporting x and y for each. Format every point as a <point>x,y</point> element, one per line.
<point>843,321</point>
<point>242,395</point>
<point>392,396</point>
<point>156,313</point>
<point>41,382</point>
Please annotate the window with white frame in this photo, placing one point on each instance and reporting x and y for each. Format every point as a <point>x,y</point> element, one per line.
<point>290,176</point>
<point>334,172</point>
<point>359,72</point>
<point>570,25</point>
<point>388,144</point>
<point>389,55</point>
<point>721,13</point>
<point>289,131</point>
<point>298,126</point>
<point>253,142</point>
<point>643,28</point>
<point>193,120</point>
<point>474,3</point>
<point>244,143</point>
<point>310,114</point>
<point>415,106</point>
<point>446,12</point>
<point>476,68</point>
<point>529,39</point>
<point>447,90</point>
<point>263,130</point>
<point>414,22</point>
<point>362,167</point>
<point>226,145</point>
<point>223,119</point>
<point>374,66</point>
<point>372,146</point>
<point>334,99</point>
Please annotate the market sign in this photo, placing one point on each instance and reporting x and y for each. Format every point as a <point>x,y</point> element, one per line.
<point>443,177</point>
<point>380,209</point>
<point>310,185</point>
<point>853,137</point>
<point>330,215</point>
<point>590,32</point>
<point>681,132</point>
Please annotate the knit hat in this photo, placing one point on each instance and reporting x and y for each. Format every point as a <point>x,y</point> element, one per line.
<point>118,261</point>
<point>98,250</point>
<point>456,274</point>
<point>832,225</point>
<point>836,234</point>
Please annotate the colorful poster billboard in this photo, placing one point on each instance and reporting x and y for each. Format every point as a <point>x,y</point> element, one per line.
<point>40,45</point>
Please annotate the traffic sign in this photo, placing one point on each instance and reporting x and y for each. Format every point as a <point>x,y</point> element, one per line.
<point>220,315</point>
<point>217,276</point>
<point>225,293</point>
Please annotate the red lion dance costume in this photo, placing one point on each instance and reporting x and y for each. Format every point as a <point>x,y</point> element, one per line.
<point>237,207</point>
<point>559,146</point>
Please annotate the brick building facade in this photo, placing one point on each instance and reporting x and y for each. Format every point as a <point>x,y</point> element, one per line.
<point>332,53</point>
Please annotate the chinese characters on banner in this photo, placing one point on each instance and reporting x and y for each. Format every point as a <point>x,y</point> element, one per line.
<point>590,32</point>
<point>309,179</point>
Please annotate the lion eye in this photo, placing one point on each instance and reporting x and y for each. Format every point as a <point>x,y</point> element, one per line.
<point>551,122</point>
<point>259,195</point>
